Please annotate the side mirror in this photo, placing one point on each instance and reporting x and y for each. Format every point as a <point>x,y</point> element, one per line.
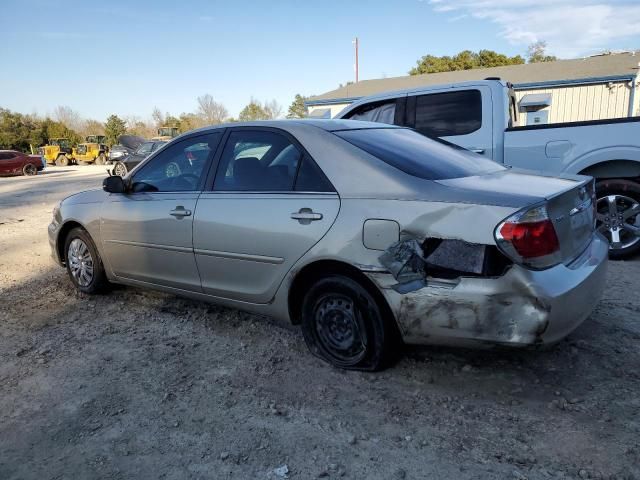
<point>113,184</point>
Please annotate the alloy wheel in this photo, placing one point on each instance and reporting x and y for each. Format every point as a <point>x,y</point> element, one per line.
<point>618,219</point>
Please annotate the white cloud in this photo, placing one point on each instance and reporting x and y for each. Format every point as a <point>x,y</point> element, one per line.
<point>571,28</point>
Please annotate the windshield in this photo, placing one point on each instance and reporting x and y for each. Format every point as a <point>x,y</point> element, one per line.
<point>417,155</point>
<point>61,142</point>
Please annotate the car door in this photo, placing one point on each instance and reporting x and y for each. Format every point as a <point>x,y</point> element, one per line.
<point>459,116</point>
<point>269,204</point>
<point>10,163</point>
<point>147,232</point>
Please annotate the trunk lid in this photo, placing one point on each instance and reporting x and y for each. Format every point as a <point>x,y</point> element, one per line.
<point>569,200</point>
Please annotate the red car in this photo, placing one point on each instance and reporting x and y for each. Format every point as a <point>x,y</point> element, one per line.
<point>18,163</point>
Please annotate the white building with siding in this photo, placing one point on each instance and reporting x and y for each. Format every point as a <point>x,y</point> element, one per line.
<point>592,88</point>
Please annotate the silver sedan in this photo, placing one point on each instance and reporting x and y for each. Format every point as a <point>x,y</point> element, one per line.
<point>366,235</point>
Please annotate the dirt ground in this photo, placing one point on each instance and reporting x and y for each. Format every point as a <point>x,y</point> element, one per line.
<point>136,384</point>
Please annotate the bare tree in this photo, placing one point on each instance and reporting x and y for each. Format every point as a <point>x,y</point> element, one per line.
<point>158,117</point>
<point>273,109</point>
<point>210,111</point>
<point>68,117</point>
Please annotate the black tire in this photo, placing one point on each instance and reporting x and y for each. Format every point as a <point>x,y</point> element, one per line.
<point>62,161</point>
<point>120,169</point>
<point>101,159</point>
<point>626,192</point>
<point>344,325</point>
<point>29,169</point>
<point>98,282</point>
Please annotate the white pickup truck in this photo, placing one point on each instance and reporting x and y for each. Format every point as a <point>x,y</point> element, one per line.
<point>482,117</point>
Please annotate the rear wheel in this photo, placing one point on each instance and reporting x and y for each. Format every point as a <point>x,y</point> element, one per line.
<point>29,169</point>
<point>101,159</point>
<point>62,161</point>
<point>120,169</point>
<point>618,216</point>
<point>344,325</point>
<point>84,265</point>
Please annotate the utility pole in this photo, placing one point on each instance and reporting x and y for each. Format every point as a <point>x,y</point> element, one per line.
<point>355,42</point>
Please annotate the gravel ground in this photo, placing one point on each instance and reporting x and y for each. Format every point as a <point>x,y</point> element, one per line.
<point>136,384</point>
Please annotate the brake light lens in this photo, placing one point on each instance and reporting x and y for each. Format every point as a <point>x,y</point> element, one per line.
<point>529,237</point>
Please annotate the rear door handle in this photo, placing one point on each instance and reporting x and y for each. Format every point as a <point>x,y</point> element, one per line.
<point>180,212</point>
<point>305,216</point>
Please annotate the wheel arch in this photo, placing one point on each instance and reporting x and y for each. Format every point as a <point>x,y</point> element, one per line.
<point>619,168</point>
<point>62,236</point>
<point>314,271</point>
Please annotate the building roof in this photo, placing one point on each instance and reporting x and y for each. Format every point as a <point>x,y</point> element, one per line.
<point>604,67</point>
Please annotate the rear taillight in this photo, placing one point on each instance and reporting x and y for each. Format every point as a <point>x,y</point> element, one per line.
<point>529,237</point>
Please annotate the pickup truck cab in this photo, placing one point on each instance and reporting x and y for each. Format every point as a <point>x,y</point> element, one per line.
<point>482,116</point>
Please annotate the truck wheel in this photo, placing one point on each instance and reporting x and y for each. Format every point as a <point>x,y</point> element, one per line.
<point>62,161</point>
<point>618,212</point>
<point>29,169</point>
<point>101,159</point>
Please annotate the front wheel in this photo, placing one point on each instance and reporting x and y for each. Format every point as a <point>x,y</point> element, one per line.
<point>120,169</point>
<point>84,265</point>
<point>344,325</point>
<point>618,216</point>
<point>29,169</point>
<point>62,161</point>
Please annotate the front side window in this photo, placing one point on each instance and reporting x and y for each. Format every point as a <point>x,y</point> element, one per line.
<point>180,167</point>
<point>449,114</point>
<point>418,155</point>
<point>6,156</point>
<point>255,160</point>
<point>376,112</point>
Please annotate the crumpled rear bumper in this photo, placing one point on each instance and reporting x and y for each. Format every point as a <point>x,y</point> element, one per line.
<point>522,307</point>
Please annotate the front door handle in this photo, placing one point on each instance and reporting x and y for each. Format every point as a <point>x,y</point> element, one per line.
<point>305,216</point>
<point>477,150</point>
<point>180,212</point>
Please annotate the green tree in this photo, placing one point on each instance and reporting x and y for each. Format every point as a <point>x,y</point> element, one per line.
<point>465,60</point>
<point>297,108</point>
<point>113,128</point>
<point>253,111</point>
<point>536,53</point>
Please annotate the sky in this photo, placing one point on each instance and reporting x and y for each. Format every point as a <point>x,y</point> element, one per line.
<point>127,57</point>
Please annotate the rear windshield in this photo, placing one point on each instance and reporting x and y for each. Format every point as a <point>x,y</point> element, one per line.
<point>417,155</point>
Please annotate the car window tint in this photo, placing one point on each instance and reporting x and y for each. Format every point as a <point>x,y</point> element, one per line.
<point>447,114</point>
<point>376,112</point>
<point>179,167</point>
<point>418,155</point>
<point>257,160</point>
<point>311,179</point>
<point>5,156</point>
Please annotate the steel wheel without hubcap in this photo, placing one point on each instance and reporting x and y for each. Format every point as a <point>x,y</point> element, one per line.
<point>340,328</point>
<point>80,262</point>
<point>615,214</point>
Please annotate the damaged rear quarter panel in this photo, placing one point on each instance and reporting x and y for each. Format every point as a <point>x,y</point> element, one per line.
<point>494,310</point>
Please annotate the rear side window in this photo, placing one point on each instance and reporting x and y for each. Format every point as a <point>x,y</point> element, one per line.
<point>448,114</point>
<point>418,155</point>
<point>376,112</point>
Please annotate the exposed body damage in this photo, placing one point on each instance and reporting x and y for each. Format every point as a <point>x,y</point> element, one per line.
<point>521,307</point>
